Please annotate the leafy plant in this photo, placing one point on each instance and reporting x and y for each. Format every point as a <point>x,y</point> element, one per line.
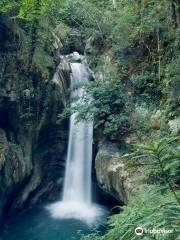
<point>161,161</point>
<point>108,108</point>
<point>149,209</point>
<point>152,208</point>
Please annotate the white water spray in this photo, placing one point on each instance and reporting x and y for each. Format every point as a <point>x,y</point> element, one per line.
<point>77,200</point>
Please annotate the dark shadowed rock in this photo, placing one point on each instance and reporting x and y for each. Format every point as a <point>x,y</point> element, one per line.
<point>32,143</point>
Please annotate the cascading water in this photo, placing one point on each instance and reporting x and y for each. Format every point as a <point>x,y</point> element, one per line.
<point>77,186</point>
<point>77,200</point>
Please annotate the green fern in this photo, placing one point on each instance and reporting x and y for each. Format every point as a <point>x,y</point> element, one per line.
<point>163,156</point>
<point>150,209</point>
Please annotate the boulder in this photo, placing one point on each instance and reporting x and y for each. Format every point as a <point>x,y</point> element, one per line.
<point>111,174</point>
<point>75,57</point>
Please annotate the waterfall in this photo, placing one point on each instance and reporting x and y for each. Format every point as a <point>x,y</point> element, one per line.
<point>77,202</point>
<point>77,186</point>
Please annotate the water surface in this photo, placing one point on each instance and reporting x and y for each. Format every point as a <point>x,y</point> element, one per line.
<point>37,224</point>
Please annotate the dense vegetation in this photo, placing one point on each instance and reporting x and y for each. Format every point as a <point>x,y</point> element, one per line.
<point>133,48</point>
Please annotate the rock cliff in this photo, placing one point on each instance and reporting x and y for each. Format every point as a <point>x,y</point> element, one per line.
<point>32,142</point>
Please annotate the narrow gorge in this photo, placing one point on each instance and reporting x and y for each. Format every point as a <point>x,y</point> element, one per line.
<point>89,120</point>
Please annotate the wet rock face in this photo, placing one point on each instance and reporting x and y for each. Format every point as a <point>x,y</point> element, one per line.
<point>111,174</point>
<point>32,142</point>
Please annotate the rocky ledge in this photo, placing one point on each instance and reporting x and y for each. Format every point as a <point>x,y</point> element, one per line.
<point>112,175</point>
